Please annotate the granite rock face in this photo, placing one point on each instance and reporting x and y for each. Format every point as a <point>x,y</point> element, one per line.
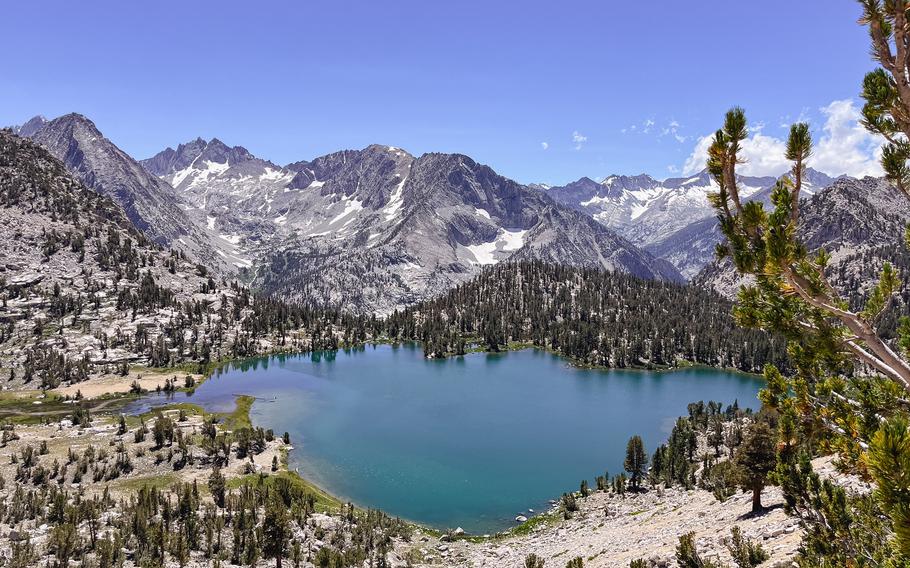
<point>73,261</point>
<point>378,228</point>
<point>672,219</point>
<point>149,202</point>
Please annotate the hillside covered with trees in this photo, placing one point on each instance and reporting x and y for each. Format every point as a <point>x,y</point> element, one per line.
<point>594,317</point>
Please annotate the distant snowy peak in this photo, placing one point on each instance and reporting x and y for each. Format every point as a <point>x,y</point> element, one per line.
<point>814,181</point>
<point>197,162</point>
<point>615,184</point>
<point>170,161</point>
<point>645,210</point>
<point>628,203</point>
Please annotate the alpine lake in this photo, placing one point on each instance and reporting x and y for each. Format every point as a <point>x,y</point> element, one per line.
<point>470,441</point>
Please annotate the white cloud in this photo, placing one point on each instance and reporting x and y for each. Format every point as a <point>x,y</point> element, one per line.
<point>649,126</point>
<point>578,139</point>
<point>764,156</point>
<point>699,156</point>
<point>786,121</point>
<point>845,147</point>
<point>672,128</point>
<point>544,145</point>
<point>673,169</point>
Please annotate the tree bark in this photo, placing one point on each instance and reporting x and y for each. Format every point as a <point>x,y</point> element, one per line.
<point>756,498</point>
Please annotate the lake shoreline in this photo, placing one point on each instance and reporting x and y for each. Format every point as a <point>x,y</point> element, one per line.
<point>246,376</point>
<point>112,401</point>
<point>608,529</point>
<point>514,346</point>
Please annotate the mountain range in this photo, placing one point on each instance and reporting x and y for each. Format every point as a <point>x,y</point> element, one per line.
<point>149,203</point>
<point>672,219</point>
<point>86,293</point>
<point>377,229</point>
<point>860,223</point>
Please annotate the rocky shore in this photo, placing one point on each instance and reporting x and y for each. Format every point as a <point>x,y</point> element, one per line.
<point>610,530</point>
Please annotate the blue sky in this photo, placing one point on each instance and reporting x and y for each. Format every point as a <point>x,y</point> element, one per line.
<point>623,87</point>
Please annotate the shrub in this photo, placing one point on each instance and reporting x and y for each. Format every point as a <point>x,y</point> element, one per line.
<point>745,553</point>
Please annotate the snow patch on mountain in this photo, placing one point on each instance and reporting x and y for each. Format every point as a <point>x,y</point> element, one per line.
<point>350,206</point>
<point>396,200</point>
<point>492,252</point>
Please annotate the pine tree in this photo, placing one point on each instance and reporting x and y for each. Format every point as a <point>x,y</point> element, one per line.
<point>217,486</point>
<point>889,461</point>
<point>716,434</point>
<point>636,462</point>
<point>756,459</point>
<point>276,531</point>
<point>687,555</point>
<point>823,402</point>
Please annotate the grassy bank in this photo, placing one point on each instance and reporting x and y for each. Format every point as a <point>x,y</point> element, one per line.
<point>240,417</point>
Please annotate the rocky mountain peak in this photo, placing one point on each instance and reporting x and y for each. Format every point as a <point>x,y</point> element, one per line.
<point>814,180</point>
<point>576,192</point>
<point>217,151</point>
<point>31,126</point>
<point>72,124</point>
<point>101,166</point>
<point>149,203</point>
<point>584,181</point>
<point>617,183</point>
<point>198,154</point>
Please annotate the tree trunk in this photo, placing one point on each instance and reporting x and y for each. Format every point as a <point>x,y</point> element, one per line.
<point>756,498</point>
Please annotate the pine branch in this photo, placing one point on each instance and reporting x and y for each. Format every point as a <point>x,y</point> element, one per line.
<point>885,360</point>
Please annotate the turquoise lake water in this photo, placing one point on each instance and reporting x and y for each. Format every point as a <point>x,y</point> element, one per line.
<point>470,441</point>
